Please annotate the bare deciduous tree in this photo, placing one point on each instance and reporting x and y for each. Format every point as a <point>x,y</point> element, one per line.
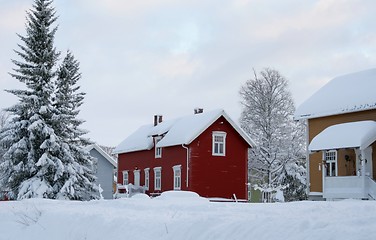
<point>267,116</point>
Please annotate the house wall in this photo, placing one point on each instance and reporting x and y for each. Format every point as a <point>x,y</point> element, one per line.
<point>316,126</point>
<point>209,176</point>
<point>219,176</point>
<point>104,174</point>
<point>141,160</point>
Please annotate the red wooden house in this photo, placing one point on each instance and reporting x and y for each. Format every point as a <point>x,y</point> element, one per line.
<point>206,153</point>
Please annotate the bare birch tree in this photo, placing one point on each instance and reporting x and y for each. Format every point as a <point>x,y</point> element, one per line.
<point>267,116</point>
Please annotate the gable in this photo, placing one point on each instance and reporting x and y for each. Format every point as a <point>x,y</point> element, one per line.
<point>348,93</point>
<point>102,153</point>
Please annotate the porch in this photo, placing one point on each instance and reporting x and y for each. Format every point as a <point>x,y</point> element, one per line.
<point>347,160</point>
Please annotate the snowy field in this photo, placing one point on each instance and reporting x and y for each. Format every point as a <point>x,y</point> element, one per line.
<point>185,216</point>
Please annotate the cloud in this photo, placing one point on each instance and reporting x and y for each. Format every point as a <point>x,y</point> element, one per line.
<point>140,58</point>
<point>177,65</point>
<point>10,15</point>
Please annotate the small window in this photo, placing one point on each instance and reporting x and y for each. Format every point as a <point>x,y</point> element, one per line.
<point>330,158</point>
<point>125,178</point>
<point>158,150</point>
<point>177,177</point>
<point>146,171</point>
<point>219,144</point>
<point>157,178</point>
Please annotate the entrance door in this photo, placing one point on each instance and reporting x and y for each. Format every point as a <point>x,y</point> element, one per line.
<point>136,177</point>
<point>330,158</point>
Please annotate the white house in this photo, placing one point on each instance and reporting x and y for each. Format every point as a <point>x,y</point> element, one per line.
<point>105,170</point>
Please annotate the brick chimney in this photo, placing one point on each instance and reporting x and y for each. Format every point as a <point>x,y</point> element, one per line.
<point>157,119</point>
<point>198,110</point>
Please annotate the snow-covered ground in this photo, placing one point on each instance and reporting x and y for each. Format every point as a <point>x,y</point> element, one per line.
<point>186,216</point>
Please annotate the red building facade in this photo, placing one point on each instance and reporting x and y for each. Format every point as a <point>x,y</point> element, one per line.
<point>205,153</point>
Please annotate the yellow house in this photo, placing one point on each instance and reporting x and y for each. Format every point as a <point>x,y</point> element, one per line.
<point>341,134</point>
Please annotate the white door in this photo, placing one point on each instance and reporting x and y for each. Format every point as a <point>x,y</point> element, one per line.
<point>136,177</point>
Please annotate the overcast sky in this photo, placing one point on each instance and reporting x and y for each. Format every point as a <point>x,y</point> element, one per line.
<point>146,57</point>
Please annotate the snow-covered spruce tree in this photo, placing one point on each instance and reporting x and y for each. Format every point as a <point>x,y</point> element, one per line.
<point>77,178</point>
<point>35,147</point>
<point>267,116</point>
<point>4,117</point>
<point>28,167</point>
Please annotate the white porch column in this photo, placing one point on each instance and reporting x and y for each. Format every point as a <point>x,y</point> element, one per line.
<point>324,171</point>
<point>363,172</point>
<point>357,162</point>
<point>362,162</point>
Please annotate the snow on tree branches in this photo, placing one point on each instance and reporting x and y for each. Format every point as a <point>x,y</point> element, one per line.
<point>41,158</point>
<point>277,162</point>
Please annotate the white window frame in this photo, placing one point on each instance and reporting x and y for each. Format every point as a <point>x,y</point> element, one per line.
<point>158,179</point>
<point>147,178</point>
<point>330,157</point>
<point>216,145</point>
<point>136,177</point>
<point>158,150</point>
<point>125,177</point>
<point>177,177</point>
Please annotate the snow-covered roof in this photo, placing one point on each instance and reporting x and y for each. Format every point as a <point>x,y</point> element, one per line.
<point>346,135</point>
<point>103,153</point>
<point>349,93</point>
<point>176,132</point>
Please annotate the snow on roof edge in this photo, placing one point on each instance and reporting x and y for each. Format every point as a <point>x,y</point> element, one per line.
<point>363,133</point>
<point>200,131</point>
<point>357,84</point>
<point>203,122</point>
<point>328,114</point>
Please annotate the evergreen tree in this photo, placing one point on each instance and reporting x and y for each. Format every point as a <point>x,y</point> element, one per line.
<point>77,166</point>
<point>267,117</point>
<point>41,159</point>
<point>4,117</point>
<point>29,162</point>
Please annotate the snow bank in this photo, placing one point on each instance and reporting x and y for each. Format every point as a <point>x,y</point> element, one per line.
<point>144,218</point>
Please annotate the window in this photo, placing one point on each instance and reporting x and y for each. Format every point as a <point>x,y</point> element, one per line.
<point>136,174</point>
<point>158,150</point>
<point>177,177</point>
<point>157,178</point>
<point>146,170</point>
<point>330,158</point>
<point>219,144</point>
<point>125,178</point>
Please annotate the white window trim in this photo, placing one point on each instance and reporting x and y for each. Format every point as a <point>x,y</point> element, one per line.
<point>136,173</point>
<point>158,150</point>
<point>158,169</point>
<point>147,178</point>
<point>125,173</point>
<point>222,134</point>
<point>175,169</point>
<point>335,161</point>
